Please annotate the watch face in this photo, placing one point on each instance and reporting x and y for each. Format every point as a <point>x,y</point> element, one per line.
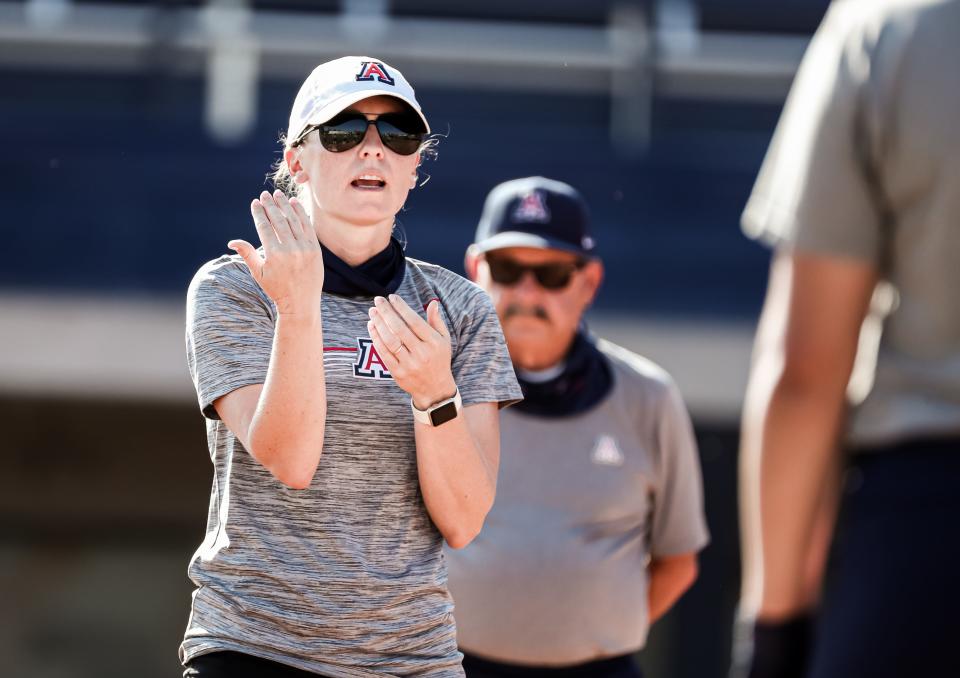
<point>443,414</point>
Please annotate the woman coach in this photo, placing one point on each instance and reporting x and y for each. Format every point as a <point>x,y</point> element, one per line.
<point>351,398</point>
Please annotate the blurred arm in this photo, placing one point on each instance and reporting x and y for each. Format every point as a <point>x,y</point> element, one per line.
<point>669,577</point>
<point>793,418</point>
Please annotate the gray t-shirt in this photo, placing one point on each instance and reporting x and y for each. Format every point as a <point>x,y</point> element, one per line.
<point>865,164</point>
<point>558,573</point>
<point>345,578</point>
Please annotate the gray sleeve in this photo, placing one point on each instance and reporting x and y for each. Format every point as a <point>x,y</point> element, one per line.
<point>229,332</point>
<point>817,190</point>
<point>679,524</point>
<point>481,362</point>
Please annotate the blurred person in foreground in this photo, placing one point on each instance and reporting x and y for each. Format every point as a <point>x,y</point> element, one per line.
<point>599,511</point>
<point>351,397</point>
<point>861,186</point>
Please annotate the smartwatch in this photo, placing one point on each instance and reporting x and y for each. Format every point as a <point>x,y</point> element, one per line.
<point>438,413</point>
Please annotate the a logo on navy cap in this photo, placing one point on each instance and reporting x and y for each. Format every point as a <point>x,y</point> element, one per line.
<point>374,70</point>
<point>531,208</point>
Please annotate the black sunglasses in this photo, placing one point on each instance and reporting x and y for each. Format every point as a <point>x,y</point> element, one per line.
<point>553,276</point>
<point>402,133</point>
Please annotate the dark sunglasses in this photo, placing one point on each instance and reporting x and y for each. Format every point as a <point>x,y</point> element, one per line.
<point>402,133</point>
<point>554,276</point>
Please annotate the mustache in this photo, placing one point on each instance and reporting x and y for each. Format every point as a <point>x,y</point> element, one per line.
<point>535,311</point>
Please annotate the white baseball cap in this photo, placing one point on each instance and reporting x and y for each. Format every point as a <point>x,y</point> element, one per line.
<point>338,84</point>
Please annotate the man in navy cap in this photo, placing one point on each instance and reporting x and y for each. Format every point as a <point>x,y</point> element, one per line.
<point>599,510</point>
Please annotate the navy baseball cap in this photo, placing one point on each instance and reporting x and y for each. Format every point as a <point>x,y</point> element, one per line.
<point>535,212</point>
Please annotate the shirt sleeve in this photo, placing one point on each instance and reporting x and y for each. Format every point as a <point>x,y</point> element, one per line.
<point>229,335</point>
<point>679,524</point>
<point>817,190</point>
<point>481,362</point>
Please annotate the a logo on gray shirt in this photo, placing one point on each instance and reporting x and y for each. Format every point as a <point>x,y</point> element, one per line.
<point>369,365</point>
<point>606,452</point>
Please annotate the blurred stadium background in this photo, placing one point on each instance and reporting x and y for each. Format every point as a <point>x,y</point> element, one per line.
<point>135,133</point>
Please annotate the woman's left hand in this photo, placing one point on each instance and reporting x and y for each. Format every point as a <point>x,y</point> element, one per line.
<point>416,352</point>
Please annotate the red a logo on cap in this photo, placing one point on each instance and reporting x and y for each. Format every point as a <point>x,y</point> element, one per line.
<point>531,208</point>
<point>369,364</point>
<point>374,70</point>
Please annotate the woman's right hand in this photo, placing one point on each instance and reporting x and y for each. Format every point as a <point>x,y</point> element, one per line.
<point>290,270</point>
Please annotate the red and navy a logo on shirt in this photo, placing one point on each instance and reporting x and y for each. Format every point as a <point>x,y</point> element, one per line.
<point>368,364</point>
<point>374,70</point>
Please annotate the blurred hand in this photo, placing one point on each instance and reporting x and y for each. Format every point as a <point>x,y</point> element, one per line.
<point>290,270</point>
<point>416,352</point>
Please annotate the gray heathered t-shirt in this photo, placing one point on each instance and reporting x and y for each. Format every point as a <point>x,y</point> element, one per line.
<point>558,573</point>
<point>865,164</point>
<point>347,577</point>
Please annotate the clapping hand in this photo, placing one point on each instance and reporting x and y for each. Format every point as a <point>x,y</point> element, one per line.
<point>416,351</point>
<point>290,270</point>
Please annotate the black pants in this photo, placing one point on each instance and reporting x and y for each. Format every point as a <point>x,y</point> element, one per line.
<point>891,604</point>
<point>612,667</point>
<point>238,665</point>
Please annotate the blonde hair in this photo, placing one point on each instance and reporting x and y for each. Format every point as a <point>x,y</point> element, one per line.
<point>280,176</point>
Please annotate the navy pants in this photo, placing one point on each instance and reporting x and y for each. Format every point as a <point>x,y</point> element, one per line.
<point>612,667</point>
<point>237,665</point>
<point>891,604</point>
